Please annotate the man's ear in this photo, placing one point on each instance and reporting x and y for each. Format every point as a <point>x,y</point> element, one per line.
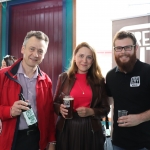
<point>136,47</point>
<point>22,49</point>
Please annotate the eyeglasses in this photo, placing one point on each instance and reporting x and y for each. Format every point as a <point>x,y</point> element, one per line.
<point>126,48</point>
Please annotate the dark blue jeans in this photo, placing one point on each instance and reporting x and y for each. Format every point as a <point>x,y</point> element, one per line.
<point>119,148</point>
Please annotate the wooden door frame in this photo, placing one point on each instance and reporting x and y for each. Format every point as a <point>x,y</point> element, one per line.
<point>68,26</point>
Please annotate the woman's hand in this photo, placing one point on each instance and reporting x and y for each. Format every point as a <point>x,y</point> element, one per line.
<point>85,111</point>
<point>63,110</point>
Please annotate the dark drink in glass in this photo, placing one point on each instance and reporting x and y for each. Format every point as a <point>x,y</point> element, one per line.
<point>68,102</point>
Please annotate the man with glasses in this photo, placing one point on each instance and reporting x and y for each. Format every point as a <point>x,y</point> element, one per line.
<point>128,88</point>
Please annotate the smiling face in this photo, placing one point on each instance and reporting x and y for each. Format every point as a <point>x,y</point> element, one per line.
<point>125,59</point>
<point>83,59</point>
<point>33,52</point>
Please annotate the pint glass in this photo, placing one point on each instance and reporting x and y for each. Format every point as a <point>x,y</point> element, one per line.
<point>68,102</point>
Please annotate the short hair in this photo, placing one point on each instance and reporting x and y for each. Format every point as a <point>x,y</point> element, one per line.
<point>38,34</point>
<point>122,35</point>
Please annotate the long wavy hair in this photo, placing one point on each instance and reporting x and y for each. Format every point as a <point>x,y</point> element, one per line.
<point>94,74</point>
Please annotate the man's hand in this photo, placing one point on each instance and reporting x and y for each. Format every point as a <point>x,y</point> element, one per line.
<point>85,111</point>
<point>17,108</point>
<point>50,147</point>
<point>129,120</point>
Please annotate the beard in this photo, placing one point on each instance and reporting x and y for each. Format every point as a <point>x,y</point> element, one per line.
<point>127,66</point>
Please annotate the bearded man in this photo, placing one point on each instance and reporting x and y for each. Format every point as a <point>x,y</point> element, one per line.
<point>128,88</point>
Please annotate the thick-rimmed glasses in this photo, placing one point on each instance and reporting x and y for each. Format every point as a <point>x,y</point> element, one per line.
<point>126,48</point>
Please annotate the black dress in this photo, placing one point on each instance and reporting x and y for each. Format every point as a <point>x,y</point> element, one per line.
<point>78,135</point>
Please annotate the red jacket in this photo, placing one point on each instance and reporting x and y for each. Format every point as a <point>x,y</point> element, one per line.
<point>9,90</point>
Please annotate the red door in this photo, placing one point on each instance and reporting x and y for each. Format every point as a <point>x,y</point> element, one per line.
<point>45,16</point>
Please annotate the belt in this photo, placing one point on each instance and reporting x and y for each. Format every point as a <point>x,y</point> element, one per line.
<point>29,131</point>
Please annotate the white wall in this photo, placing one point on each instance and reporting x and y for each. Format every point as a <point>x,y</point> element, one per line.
<point>94,23</point>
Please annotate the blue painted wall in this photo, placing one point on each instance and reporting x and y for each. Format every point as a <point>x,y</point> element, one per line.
<point>3,46</point>
<point>67,32</point>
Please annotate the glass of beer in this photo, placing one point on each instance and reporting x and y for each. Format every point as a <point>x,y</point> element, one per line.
<point>68,102</point>
<point>122,113</point>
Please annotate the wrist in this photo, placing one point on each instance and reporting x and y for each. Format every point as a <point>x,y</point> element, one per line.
<point>11,113</point>
<point>53,143</point>
<point>92,112</point>
<point>141,118</point>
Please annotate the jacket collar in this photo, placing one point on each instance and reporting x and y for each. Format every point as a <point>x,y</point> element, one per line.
<point>12,71</point>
